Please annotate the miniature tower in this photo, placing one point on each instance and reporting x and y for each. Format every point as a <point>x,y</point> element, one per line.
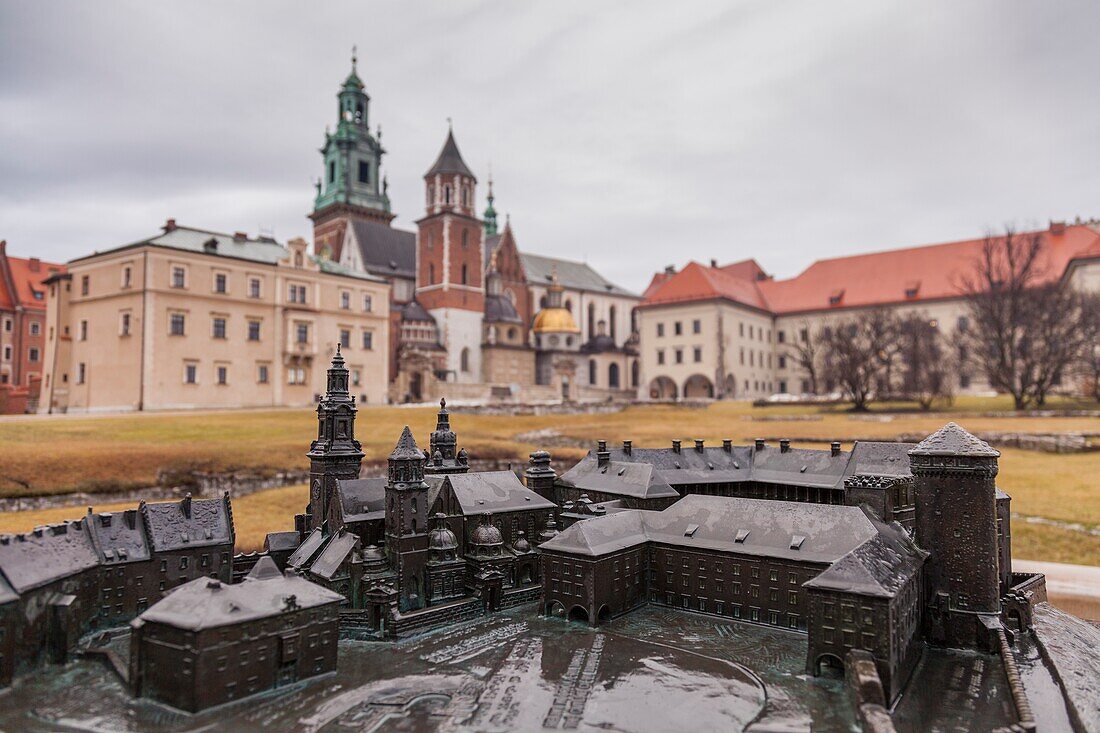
<point>451,263</point>
<point>956,520</point>
<point>336,454</point>
<point>443,457</point>
<point>540,476</point>
<point>407,520</point>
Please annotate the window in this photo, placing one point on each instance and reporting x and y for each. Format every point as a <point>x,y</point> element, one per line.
<point>32,354</point>
<point>176,327</point>
<point>963,323</point>
<point>661,357</point>
<point>36,328</point>
<point>679,356</point>
<point>804,335</point>
<point>367,304</point>
<point>431,274</point>
<point>80,373</point>
<point>782,362</point>
<point>179,277</point>
<point>221,283</point>
<point>660,329</point>
<point>678,328</point>
<point>368,340</point>
<point>261,374</point>
<point>7,325</point>
<point>345,300</point>
<point>698,353</point>
<point>7,353</point>
<point>124,324</point>
<point>781,336</point>
<point>296,375</point>
<point>355,377</point>
<point>254,287</point>
<point>84,285</point>
<point>223,374</point>
<point>364,171</point>
<point>303,333</point>
<point>345,338</point>
<point>697,326</point>
<point>331,171</point>
<point>298,294</point>
<point>127,276</point>
<point>184,562</point>
<point>191,373</point>
<point>447,195</point>
<point>465,280</point>
<point>464,360</point>
<point>83,331</point>
<point>465,238</point>
<point>253,330</point>
<point>219,328</point>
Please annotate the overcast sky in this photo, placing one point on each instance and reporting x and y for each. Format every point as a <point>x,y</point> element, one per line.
<point>632,135</point>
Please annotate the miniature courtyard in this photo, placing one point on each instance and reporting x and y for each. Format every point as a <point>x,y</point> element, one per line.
<point>648,671</point>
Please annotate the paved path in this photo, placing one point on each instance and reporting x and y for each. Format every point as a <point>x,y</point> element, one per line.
<point>1072,588</point>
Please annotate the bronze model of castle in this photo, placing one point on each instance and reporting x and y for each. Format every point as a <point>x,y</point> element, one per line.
<point>871,553</point>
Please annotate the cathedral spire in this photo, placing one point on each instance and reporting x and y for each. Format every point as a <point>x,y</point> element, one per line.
<point>490,212</point>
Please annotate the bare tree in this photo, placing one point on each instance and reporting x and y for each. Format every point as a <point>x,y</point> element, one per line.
<point>926,362</point>
<point>1028,332</point>
<point>804,350</point>
<point>853,354</point>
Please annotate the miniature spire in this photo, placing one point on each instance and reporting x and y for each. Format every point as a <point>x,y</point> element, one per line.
<point>490,211</point>
<point>406,447</point>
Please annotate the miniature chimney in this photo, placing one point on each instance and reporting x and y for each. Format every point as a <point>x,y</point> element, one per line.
<point>784,445</point>
<point>627,447</point>
<point>834,448</point>
<point>698,445</point>
<point>727,445</point>
<point>759,443</point>
<point>185,505</point>
<point>675,446</point>
<point>603,455</point>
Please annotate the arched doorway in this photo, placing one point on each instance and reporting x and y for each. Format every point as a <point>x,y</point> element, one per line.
<point>729,390</point>
<point>698,387</point>
<point>526,575</point>
<point>604,615</point>
<point>416,388</point>
<point>663,388</point>
<point>829,665</point>
<point>613,376</point>
<point>578,614</point>
<point>555,609</point>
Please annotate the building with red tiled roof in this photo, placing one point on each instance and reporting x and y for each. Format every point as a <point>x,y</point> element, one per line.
<point>727,331</point>
<point>22,328</point>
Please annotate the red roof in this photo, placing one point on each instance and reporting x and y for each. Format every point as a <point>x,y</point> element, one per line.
<point>27,276</point>
<point>903,275</point>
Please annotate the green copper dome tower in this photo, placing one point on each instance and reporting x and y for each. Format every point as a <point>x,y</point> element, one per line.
<point>490,215</point>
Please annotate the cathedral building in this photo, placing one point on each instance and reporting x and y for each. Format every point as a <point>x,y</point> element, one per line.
<point>469,310</point>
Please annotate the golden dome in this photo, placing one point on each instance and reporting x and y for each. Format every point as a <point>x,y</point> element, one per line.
<point>555,320</point>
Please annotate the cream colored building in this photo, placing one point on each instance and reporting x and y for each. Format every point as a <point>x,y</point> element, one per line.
<point>196,319</point>
<point>732,331</point>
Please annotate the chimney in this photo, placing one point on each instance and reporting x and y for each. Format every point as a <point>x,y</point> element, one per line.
<point>698,445</point>
<point>784,445</point>
<point>714,263</point>
<point>670,269</point>
<point>34,264</point>
<point>603,455</point>
<point>185,505</point>
<point>627,447</point>
<point>727,445</point>
<point>3,247</point>
<point>239,236</point>
<point>834,448</point>
<point>675,446</point>
<point>1057,227</point>
<point>759,443</point>
<point>170,225</point>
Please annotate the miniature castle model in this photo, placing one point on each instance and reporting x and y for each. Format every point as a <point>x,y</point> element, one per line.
<point>871,553</point>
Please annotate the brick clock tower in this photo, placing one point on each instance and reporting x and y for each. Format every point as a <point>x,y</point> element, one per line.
<point>336,454</point>
<point>407,520</point>
<point>352,186</point>
<point>956,511</point>
<point>450,261</point>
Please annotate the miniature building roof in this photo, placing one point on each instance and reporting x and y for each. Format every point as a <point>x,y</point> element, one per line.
<point>952,440</point>
<point>339,546</point>
<point>362,498</point>
<point>689,466</point>
<point>639,480</point>
<point>33,559</point>
<point>281,541</point>
<point>499,309</point>
<point>450,160</point>
<point>206,603</point>
<point>799,466</point>
<point>830,531</point>
<point>305,552</point>
<point>119,537</point>
<point>413,311</point>
<point>406,448</point>
<point>880,459</point>
<point>188,523</point>
<point>571,275</point>
<point>878,567</point>
<point>7,594</point>
<point>383,250</point>
<point>493,491</point>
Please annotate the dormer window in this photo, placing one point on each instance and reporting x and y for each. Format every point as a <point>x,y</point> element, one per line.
<point>796,541</point>
<point>836,297</point>
<point>742,535</point>
<point>912,288</point>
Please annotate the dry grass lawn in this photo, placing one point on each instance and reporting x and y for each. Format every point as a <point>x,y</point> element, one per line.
<point>66,454</point>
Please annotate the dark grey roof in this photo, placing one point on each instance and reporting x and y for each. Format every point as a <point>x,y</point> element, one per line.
<point>689,466</point>
<point>119,537</point>
<point>50,553</point>
<point>7,594</point>
<point>799,467</point>
<point>952,440</point>
<point>450,160</point>
<point>406,448</point>
<point>383,250</point>
<point>172,525</point>
<point>499,309</point>
<point>639,480</point>
<point>571,275</point>
<point>305,552</point>
<point>339,546</point>
<point>830,531</point>
<point>280,541</point>
<point>206,603</point>
<point>879,567</point>
<point>599,344</point>
<point>361,498</point>
<point>493,491</point>
<point>413,311</point>
<point>880,459</point>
